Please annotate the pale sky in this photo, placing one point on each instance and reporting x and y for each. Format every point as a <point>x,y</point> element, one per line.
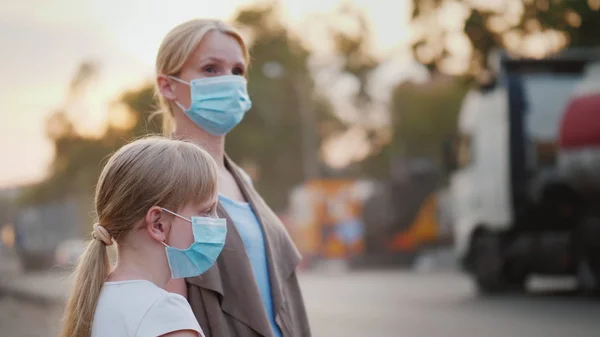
<point>44,41</point>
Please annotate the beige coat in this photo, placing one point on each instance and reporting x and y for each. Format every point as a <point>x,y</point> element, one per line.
<point>226,299</point>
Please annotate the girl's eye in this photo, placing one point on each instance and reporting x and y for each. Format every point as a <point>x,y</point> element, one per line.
<point>238,71</point>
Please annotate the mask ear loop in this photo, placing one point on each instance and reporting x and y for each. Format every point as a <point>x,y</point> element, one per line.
<point>174,214</point>
<point>177,215</point>
<point>180,106</point>
<point>186,83</point>
<point>179,80</point>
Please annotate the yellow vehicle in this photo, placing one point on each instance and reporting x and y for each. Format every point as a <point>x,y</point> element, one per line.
<point>364,222</point>
<point>403,216</point>
<point>325,218</point>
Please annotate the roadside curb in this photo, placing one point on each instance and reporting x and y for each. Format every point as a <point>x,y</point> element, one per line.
<point>28,296</point>
<point>50,289</point>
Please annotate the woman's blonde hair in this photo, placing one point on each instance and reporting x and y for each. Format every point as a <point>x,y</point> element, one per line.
<point>176,49</point>
<point>152,171</point>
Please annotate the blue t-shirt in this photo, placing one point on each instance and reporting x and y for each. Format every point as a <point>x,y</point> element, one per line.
<point>254,242</point>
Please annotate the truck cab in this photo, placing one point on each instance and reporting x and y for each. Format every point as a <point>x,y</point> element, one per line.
<point>516,212</point>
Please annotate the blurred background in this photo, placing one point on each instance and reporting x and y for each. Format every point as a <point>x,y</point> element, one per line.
<point>437,162</point>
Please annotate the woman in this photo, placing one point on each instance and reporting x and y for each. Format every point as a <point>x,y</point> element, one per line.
<point>253,289</point>
<point>162,215</point>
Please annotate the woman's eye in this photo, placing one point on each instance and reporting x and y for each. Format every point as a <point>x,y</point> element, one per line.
<point>210,69</point>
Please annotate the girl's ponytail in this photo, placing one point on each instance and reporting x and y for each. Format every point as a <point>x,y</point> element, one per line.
<point>91,271</point>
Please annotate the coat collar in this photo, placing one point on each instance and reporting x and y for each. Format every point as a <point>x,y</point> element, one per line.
<point>243,301</point>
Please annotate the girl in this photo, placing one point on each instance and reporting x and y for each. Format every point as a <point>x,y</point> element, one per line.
<point>156,198</point>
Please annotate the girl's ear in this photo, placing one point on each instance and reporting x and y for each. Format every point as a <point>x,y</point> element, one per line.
<point>157,224</point>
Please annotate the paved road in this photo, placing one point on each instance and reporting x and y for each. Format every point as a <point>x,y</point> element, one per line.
<point>391,304</point>
<point>22,319</point>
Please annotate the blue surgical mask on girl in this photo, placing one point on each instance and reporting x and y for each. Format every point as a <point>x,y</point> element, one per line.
<point>209,239</point>
<point>217,104</point>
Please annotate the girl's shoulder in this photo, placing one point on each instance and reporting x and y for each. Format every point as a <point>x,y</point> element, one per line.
<point>171,312</point>
<point>122,306</point>
<point>144,309</point>
<point>132,289</point>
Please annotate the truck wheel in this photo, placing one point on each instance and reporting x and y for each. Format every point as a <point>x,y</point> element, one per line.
<point>587,283</point>
<point>486,281</point>
<point>588,264</point>
<point>515,283</point>
<point>488,265</point>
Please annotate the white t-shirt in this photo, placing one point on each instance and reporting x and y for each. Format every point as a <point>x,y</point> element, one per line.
<point>140,308</point>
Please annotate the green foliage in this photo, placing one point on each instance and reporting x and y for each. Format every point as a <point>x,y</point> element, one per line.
<point>284,99</point>
<point>425,114</point>
<point>270,137</point>
<point>422,116</point>
<point>353,47</point>
<point>289,120</point>
<point>506,25</point>
<point>78,158</point>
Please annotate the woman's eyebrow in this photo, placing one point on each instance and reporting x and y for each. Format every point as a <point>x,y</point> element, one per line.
<point>211,59</point>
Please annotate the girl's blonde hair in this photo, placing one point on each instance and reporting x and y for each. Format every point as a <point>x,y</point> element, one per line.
<point>176,49</point>
<point>153,171</point>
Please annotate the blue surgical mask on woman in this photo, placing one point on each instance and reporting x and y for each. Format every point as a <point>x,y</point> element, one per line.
<point>217,104</point>
<point>209,239</point>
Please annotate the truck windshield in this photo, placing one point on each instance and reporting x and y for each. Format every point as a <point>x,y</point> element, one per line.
<point>547,96</point>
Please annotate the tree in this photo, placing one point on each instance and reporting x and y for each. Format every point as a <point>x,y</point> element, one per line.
<point>353,49</point>
<point>423,115</point>
<point>78,158</point>
<point>288,122</point>
<point>286,115</point>
<point>456,36</point>
<point>350,58</point>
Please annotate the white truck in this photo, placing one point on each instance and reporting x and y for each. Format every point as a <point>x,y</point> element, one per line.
<point>525,173</point>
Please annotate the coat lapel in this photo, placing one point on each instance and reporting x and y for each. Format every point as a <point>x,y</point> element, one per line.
<point>282,255</point>
<point>241,302</point>
<point>244,302</point>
